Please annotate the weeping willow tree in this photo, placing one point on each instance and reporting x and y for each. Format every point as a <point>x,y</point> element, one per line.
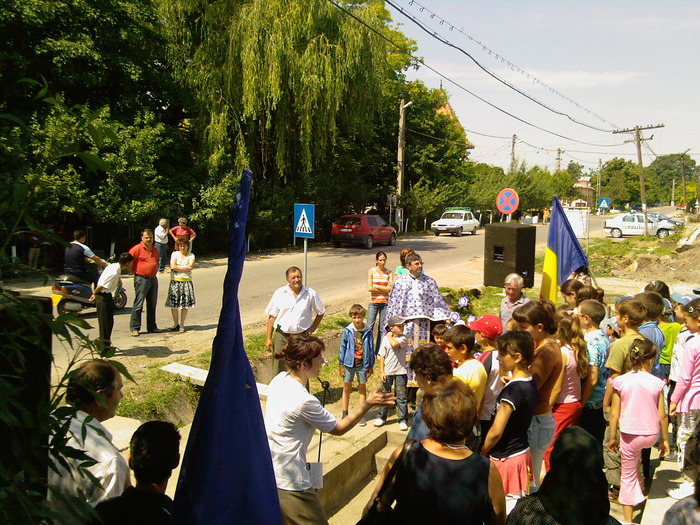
<point>276,82</point>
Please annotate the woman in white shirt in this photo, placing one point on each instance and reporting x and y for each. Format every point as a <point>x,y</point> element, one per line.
<point>292,415</point>
<point>181,290</point>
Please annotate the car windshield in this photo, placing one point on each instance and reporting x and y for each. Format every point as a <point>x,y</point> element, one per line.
<point>451,215</point>
<point>348,221</point>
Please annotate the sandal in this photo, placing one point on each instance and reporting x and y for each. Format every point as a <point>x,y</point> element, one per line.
<point>173,328</point>
<point>182,329</point>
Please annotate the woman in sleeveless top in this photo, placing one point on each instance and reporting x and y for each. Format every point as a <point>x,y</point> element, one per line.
<point>379,281</point>
<point>440,479</point>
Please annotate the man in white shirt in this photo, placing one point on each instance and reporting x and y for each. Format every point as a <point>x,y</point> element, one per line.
<point>95,391</point>
<point>160,237</point>
<point>512,286</point>
<point>103,296</point>
<point>291,311</point>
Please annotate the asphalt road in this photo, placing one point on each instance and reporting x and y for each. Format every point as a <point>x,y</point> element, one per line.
<point>337,274</point>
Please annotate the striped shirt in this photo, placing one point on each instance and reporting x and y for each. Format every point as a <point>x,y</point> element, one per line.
<point>379,279</point>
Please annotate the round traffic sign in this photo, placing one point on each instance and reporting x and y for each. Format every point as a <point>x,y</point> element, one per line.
<point>507,201</point>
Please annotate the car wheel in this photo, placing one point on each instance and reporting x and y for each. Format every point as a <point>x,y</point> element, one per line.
<point>369,242</point>
<point>616,233</point>
<point>459,232</point>
<point>474,231</point>
<point>662,234</point>
<point>336,244</point>
<point>437,234</point>
<point>61,307</point>
<point>392,239</point>
<point>120,300</point>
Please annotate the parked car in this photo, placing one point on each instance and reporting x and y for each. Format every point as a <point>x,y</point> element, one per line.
<point>362,229</point>
<point>633,224</point>
<point>455,222</point>
<point>663,217</point>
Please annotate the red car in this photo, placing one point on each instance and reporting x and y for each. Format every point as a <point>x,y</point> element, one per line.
<point>362,229</point>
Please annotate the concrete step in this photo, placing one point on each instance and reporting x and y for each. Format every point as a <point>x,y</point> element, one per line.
<point>394,439</point>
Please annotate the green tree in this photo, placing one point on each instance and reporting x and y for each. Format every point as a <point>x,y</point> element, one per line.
<point>620,181</point>
<point>663,176</point>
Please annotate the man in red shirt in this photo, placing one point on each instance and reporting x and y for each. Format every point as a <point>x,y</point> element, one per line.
<point>145,283</point>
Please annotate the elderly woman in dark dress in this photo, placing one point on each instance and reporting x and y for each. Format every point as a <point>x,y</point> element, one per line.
<point>441,480</point>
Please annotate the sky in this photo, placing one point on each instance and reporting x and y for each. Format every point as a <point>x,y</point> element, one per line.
<point>610,65</point>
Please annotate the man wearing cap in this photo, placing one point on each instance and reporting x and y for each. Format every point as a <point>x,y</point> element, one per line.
<point>512,287</point>
<point>487,328</point>
<point>291,311</point>
<point>416,299</point>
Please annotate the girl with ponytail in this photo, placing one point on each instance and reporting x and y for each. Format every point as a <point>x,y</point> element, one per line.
<point>566,397</point>
<point>638,411</point>
<point>537,318</point>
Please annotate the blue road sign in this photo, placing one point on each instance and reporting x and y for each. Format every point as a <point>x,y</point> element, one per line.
<point>304,220</point>
<point>604,203</point>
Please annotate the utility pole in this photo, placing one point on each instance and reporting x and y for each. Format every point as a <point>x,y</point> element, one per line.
<point>400,163</point>
<point>512,154</point>
<point>558,165</point>
<point>685,202</point>
<point>597,183</point>
<point>638,141</point>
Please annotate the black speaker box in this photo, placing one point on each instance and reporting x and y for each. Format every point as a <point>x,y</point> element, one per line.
<point>509,248</point>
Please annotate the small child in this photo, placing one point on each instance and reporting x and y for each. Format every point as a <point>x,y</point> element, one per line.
<point>356,357</point>
<point>638,407</point>
<point>654,304</point>
<point>393,369</point>
<point>459,342</point>
<point>685,402</point>
<point>487,328</point>
<point>438,334</point>
<point>590,314</point>
<point>506,444</point>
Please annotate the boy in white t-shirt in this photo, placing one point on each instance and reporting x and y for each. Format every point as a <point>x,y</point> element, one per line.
<point>393,369</point>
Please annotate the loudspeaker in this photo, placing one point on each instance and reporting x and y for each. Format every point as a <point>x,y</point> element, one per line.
<point>509,248</point>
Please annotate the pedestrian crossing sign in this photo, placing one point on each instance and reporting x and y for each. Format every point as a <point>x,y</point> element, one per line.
<point>304,220</point>
<point>604,203</point>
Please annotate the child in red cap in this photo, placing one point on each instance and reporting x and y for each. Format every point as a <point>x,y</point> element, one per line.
<point>488,328</point>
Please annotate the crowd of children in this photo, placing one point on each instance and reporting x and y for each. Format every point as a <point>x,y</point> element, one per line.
<point>621,373</point>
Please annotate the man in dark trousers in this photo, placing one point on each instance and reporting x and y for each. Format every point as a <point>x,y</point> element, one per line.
<point>145,283</point>
<point>103,296</point>
<point>154,453</point>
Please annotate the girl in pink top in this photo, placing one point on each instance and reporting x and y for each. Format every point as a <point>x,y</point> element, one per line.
<point>685,399</point>
<point>638,407</point>
<point>566,396</point>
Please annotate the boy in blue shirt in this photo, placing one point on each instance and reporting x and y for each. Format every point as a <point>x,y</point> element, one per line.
<point>590,314</point>
<point>356,357</point>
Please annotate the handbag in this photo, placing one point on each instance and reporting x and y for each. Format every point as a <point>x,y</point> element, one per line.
<point>374,516</point>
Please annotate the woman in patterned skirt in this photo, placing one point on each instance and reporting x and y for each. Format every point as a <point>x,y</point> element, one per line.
<point>181,291</point>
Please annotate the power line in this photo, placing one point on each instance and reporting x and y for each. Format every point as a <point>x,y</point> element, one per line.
<point>512,66</point>
<point>456,84</point>
<point>441,39</point>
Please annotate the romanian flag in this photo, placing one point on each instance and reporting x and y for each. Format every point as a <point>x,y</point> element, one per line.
<point>563,256</point>
<point>226,475</point>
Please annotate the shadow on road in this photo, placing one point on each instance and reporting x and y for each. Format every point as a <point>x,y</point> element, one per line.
<point>150,351</point>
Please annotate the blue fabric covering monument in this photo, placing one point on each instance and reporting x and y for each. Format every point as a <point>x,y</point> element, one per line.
<point>226,475</point>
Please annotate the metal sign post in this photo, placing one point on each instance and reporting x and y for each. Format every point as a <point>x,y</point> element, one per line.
<point>304,224</point>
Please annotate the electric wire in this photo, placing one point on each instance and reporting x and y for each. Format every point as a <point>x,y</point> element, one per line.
<point>459,86</point>
<point>441,39</point>
<point>504,60</point>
